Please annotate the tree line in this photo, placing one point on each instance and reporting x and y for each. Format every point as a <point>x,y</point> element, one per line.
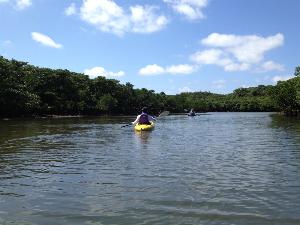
<point>27,90</point>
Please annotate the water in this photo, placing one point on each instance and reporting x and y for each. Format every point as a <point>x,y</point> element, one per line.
<point>218,168</point>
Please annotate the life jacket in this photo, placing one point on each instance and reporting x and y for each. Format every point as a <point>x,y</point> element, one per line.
<point>144,119</point>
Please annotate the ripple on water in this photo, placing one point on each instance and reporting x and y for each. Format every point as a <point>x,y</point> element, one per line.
<point>222,168</point>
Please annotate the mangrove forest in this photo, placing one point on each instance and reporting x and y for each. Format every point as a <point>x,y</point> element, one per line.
<point>27,90</point>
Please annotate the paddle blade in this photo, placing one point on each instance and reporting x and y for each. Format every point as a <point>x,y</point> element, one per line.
<point>164,113</point>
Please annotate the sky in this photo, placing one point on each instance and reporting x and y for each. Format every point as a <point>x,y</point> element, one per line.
<point>172,46</point>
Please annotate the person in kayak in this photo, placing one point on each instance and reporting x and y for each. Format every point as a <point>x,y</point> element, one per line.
<point>144,117</point>
<point>192,113</point>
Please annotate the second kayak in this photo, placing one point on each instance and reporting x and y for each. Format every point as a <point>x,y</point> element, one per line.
<point>144,127</point>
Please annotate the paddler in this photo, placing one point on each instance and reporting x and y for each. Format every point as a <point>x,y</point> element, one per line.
<point>144,117</point>
<point>192,112</point>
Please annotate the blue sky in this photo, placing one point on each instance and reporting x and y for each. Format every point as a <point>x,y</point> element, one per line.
<point>164,45</point>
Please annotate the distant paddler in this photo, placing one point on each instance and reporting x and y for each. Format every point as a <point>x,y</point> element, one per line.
<point>192,113</point>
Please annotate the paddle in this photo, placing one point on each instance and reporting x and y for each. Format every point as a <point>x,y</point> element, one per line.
<point>164,113</point>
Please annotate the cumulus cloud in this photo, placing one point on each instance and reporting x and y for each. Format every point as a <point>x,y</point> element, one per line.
<point>145,20</point>
<point>152,70</point>
<point>270,66</point>
<point>237,67</point>
<point>108,16</point>
<point>248,48</point>
<point>155,69</point>
<point>45,40</point>
<point>238,53</point>
<point>275,79</point>
<point>18,4</point>
<point>100,71</point>
<point>71,10</point>
<point>211,56</point>
<point>23,4</point>
<point>190,9</point>
<point>181,69</point>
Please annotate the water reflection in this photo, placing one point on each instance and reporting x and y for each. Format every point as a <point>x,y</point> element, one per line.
<point>287,133</point>
<point>289,126</point>
<point>143,136</point>
<point>280,121</point>
<point>224,168</point>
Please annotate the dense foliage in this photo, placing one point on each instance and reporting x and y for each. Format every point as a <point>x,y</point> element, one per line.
<point>286,94</point>
<point>28,90</point>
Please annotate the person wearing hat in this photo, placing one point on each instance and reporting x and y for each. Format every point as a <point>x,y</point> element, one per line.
<point>144,117</point>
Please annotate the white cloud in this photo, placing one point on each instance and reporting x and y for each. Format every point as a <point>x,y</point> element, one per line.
<point>18,4</point>
<point>145,20</point>
<point>275,79</point>
<point>218,57</point>
<point>191,9</point>
<point>155,69</point>
<point>238,53</point>
<point>23,4</point>
<point>211,56</point>
<point>151,70</point>
<point>71,10</point>
<point>181,69</point>
<point>237,67</point>
<point>108,16</point>
<point>246,49</point>
<point>45,40</point>
<point>270,66</point>
<point>100,71</point>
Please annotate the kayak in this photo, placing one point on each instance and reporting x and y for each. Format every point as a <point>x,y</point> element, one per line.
<point>144,127</point>
<point>192,114</point>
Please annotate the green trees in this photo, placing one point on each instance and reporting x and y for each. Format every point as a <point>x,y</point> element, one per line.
<point>287,96</point>
<point>297,71</point>
<point>106,103</point>
<point>29,90</point>
<point>241,100</point>
<point>15,97</point>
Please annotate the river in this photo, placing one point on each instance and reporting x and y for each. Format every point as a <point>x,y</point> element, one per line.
<point>215,168</point>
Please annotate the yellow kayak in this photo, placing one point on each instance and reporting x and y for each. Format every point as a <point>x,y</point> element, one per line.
<point>144,127</point>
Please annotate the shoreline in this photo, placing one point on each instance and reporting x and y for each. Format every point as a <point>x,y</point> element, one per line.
<point>62,116</point>
<point>54,116</point>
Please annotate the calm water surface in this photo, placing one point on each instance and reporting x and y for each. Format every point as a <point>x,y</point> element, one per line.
<point>218,168</point>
